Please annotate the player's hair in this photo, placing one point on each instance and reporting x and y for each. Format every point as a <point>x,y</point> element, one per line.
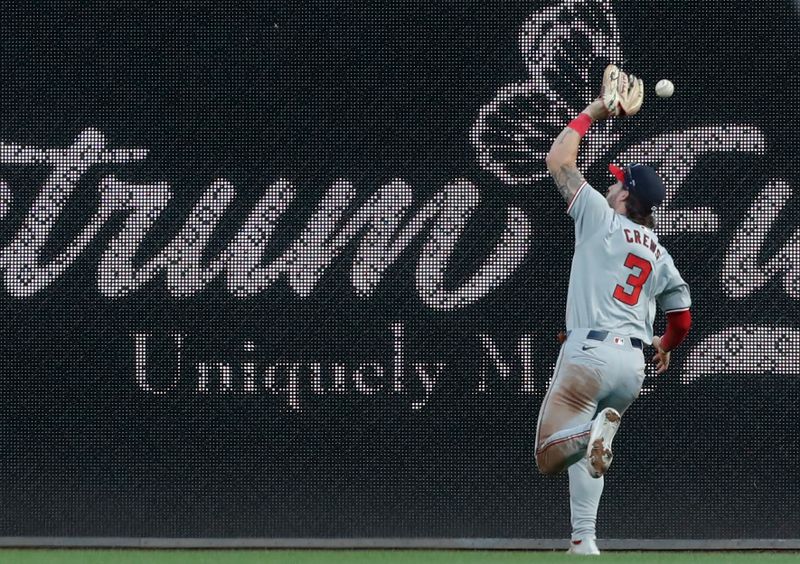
<point>634,210</point>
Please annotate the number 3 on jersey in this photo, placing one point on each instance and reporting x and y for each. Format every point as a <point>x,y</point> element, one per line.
<point>635,281</point>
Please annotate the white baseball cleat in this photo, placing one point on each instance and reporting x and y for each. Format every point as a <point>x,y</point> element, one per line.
<point>604,427</point>
<point>584,546</point>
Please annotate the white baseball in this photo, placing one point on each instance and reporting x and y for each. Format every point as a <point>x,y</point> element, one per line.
<point>664,88</point>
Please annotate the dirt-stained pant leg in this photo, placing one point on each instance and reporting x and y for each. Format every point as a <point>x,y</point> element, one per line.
<point>621,387</point>
<point>565,418</point>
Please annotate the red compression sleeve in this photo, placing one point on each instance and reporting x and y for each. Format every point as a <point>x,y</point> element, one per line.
<point>581,124</point>
<point>678,323</point>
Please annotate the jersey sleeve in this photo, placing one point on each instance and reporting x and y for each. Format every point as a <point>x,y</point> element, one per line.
<point>590,211</point>
<point>672,293</point>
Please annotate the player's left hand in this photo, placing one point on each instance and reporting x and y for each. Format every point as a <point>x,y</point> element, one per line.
<point>622,94</point>
<point>661,358</point>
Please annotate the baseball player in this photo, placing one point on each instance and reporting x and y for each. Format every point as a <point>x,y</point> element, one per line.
<point>620,271</point>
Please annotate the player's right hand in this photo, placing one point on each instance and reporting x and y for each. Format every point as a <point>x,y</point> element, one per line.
<point>661,358</point>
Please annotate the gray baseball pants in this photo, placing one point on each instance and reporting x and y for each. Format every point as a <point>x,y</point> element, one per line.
<point>590,375</point>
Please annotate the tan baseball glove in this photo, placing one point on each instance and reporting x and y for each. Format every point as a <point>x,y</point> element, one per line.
<point>622,94</point>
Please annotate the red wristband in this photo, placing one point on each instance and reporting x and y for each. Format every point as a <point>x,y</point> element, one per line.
<point>581,124</point>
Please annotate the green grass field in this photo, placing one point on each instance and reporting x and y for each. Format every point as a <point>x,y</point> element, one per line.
<point>42,556</point>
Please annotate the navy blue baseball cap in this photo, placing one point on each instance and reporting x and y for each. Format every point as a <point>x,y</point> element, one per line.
<point>641,181</point>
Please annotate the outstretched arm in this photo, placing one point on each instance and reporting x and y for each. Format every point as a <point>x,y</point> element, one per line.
<point>562,160</point>
<point>562,163</point>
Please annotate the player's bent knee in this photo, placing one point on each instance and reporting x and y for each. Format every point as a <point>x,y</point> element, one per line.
<point>548,464</point>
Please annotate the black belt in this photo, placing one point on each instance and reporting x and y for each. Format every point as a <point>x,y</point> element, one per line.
<point>602,335</point>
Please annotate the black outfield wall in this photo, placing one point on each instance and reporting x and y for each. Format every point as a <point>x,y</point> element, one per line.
<point>296,271</point>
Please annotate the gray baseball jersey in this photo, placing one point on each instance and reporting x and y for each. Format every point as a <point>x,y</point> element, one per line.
<point>619,271</point>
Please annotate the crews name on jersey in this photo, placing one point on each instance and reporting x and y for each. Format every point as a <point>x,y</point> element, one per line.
<point>634,236</point>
